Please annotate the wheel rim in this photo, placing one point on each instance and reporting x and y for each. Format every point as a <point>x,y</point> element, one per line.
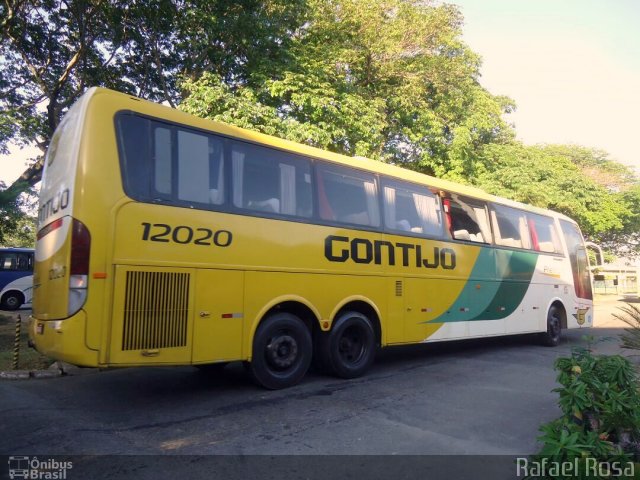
<point>11,301</point>
<point>281,351</point>
<point>351,346</point>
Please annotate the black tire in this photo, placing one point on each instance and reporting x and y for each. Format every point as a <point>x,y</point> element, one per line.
<point>551,338</point>
<point>282,350</point>
<point>11,301</point>
<point>349,348</point>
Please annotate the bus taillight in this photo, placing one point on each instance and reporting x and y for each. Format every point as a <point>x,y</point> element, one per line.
<point>79,266</point>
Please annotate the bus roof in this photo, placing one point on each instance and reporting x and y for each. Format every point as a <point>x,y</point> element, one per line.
<point>175,115</point>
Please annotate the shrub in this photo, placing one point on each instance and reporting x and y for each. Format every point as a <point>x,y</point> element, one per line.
<point>600,403</point>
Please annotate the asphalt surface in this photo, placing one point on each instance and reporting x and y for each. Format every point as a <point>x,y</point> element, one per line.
<point>480,397</point>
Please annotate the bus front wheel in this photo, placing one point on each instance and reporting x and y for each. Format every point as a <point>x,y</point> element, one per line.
<point>348,350</point>
<point>11,301</point>
<point>282,349</point>
<point>551,338</point>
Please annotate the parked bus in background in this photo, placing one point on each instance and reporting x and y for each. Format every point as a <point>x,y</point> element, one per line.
<point>16,277</point>
<point>166,239</point>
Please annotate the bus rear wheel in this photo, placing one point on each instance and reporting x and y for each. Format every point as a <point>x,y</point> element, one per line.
<point>551,338</point>
<point>282,349</point>
<point>11,301</point>
<point>349,349</point>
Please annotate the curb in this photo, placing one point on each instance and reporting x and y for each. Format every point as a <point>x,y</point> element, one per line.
<point>57,369</point>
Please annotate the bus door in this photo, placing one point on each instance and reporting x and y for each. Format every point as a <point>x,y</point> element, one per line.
<point>218,316</point>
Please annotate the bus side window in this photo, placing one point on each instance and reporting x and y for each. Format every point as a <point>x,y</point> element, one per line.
<point>23,262</point>
<point>544,236</point>
<point>409,208</point>
<point>8,261</point>
<point>467,220</point>
<point>162,161</point>
<point>347,195</point>
<point>200,168</point>
<point>510,227</point>
<point>270,181</point>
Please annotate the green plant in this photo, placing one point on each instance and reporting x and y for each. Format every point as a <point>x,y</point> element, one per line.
<point>600,402</point>
<point>631,316</point>
<point>600,391</point>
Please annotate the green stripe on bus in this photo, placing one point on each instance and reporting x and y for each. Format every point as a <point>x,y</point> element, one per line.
<point>483,298</point>
<point>515,281</point>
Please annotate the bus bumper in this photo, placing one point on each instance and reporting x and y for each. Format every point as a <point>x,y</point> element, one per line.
<point>63,340</point>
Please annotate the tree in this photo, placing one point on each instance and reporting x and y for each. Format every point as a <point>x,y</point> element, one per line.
<point>560,177</point>
<point>51,51</point>
<point>17,224</point>
<point>625,242</point>
<point>387,79</point>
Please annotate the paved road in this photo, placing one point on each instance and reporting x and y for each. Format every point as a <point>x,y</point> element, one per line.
<point>472,397</point>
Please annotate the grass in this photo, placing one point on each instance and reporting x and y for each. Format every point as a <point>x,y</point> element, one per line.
<point>29,358</point>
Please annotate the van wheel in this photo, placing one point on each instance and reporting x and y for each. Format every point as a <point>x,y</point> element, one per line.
<point>282,350</point>
<point>11,301</point>
<point>348,350</point>
<point>551,338</point>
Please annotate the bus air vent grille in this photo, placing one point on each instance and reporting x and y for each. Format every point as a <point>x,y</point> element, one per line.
<point>398,288</point>
<point>156,310</point>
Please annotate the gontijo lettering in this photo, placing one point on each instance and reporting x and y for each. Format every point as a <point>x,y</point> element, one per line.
<point>361,250</point>
<point>59,202</point>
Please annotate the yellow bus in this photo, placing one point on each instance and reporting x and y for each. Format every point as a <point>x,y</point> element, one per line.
<point>167,239</point>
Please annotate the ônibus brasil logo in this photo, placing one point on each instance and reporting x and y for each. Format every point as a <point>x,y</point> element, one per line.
<point>36,469</point>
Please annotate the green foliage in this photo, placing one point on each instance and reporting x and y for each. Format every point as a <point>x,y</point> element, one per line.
<point>630,314</point>
<point>391,80</point>
<point>625,241</point>
<point>53,50</point>
<point>388,79</point>
<point>17,226</point>
<point>600,402</point>
<point>553,177</point>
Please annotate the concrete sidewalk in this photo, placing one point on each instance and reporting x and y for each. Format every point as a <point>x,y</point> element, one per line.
<point>606,306</point>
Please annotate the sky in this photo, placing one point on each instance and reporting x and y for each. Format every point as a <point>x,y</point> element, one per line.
<point>572,67</point>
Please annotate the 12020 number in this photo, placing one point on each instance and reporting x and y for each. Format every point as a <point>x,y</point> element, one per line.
<point>183,234</point>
